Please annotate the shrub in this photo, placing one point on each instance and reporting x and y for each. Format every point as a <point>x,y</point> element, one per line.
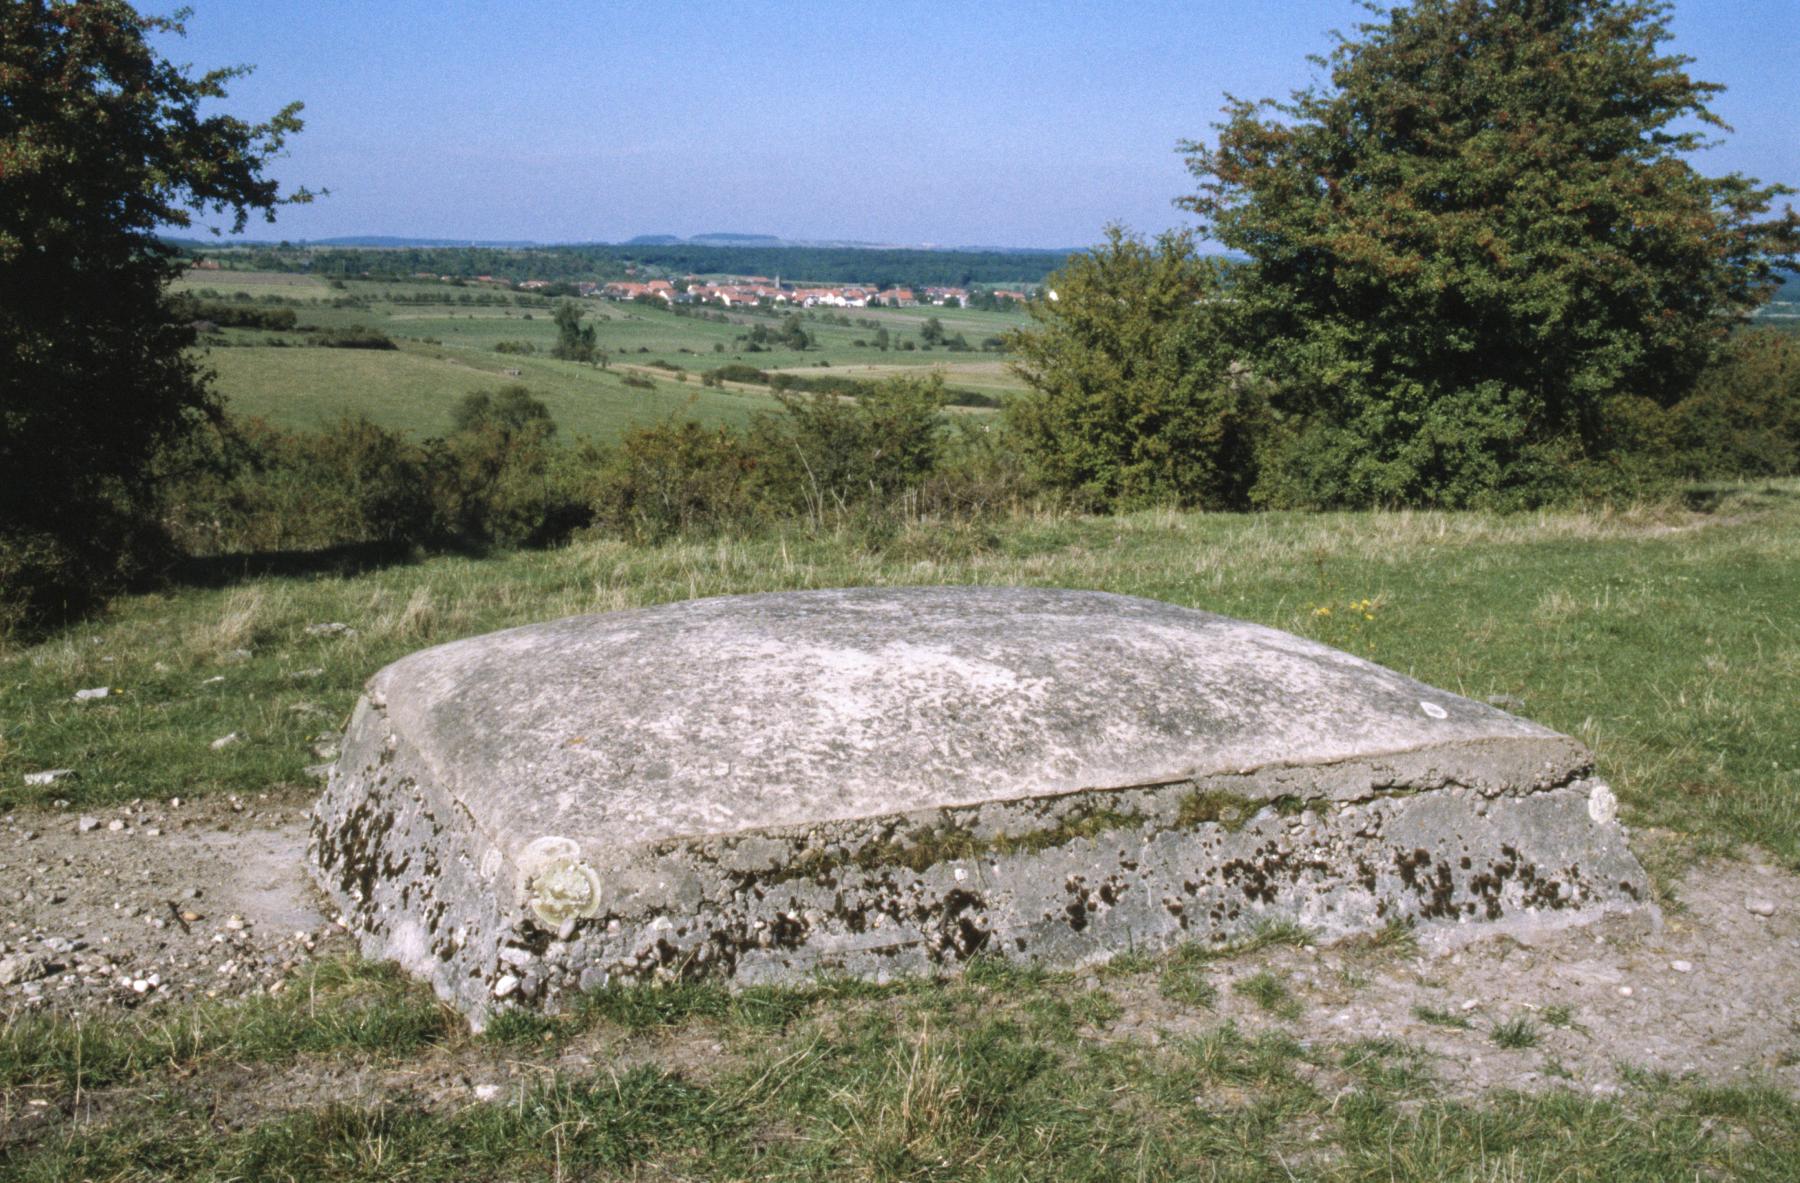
<point>235,316</point>
<point>47,578</point>
<point>675,478</point>
<point>737,372</point>
<point>1133,398</point>
<point>497,480</point>
<point>826,454</point>
<point>1743,415</point>
<point>246,486</point>
<point>353,337</point>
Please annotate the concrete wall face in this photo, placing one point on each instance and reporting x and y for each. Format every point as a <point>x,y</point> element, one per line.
<point>1499,822</point>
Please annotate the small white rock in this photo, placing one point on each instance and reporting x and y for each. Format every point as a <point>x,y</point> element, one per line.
<point>1682,967</point>
<point>115,825</point>
<point>1758,906</point>
<point>1624,991</point>
<point>85,824</point>
<point>140,986</point>
<point>1470,1004</point>
<point>486,1092</point>
<point>1603,804</point>
<point>49,776</point>
<point>97,692</point>
<point>505,985</point>
<point>225,741</point>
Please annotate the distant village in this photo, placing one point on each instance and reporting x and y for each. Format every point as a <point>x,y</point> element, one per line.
<point>757,290</point>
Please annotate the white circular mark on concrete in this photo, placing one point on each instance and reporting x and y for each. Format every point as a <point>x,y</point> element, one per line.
<point>563,892</point>
<point>544,851</point>
<point>1433,709</point>
<point>1603,805</point>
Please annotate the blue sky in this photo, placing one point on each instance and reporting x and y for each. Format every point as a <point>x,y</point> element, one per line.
<point>1013,124</point>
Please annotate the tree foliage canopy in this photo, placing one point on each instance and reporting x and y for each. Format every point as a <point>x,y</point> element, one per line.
<point>1482,230</point>
<point>1134,398</point>
<point>102,142</point>
<point>574,340</point>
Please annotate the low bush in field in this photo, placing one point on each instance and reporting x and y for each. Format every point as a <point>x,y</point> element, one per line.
<point>352,337</point>
<point>735,372</point>
<point>495,479</point>
<point>236,316</point>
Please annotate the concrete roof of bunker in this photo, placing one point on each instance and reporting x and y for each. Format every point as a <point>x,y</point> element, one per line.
<point>747,712</point>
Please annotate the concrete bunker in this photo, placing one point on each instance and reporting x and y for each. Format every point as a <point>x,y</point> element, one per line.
<point>881,781</point>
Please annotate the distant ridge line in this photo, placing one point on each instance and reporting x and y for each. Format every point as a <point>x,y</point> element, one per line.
<point>716,240</point>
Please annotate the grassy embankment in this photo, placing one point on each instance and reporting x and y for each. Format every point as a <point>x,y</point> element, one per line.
<point>1666,638</point>
<point>446,350</point>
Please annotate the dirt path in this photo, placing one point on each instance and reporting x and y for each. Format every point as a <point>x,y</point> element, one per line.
<point>162,902</point>
<point>140,907</point>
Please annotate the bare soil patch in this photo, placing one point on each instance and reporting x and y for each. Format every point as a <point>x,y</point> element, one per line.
<point>142,905</point>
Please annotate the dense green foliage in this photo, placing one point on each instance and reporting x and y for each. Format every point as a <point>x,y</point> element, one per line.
<point>1475,239</point>
<point>496,478</point>
<point>101,142</point>
<point>1135,399</point>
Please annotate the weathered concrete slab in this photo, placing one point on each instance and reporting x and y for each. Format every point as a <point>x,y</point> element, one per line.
<point>874,781</point>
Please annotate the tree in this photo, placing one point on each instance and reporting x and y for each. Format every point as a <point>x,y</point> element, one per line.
<point>1475,238</point>
<point>932,331</point>
<point>574,340</point>
<point>794,334</point>
<point>101,143</point>
<point>1134,397</point>
<point>512,411</point>
<point>491,475</point>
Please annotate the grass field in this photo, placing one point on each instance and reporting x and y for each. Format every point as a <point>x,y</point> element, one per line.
<point>255,283</point>
<point>415,389</point>
<point>448,349</point>
<point>1665,636</point>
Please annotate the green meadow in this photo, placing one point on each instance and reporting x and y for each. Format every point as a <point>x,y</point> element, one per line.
<point>416,387</point>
